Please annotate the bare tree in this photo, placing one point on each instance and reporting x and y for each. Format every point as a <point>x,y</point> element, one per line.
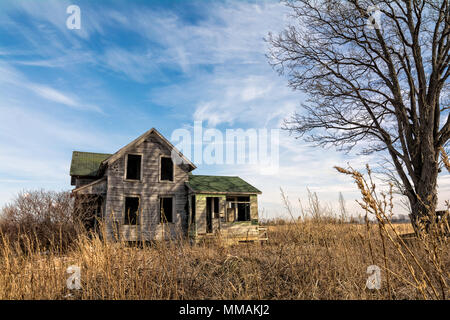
<point>378,83</point>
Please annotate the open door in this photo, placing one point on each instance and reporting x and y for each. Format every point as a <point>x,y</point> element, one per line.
<point>209,222</point>
<point>212,212</point>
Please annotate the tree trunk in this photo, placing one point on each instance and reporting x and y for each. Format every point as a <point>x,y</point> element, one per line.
<point>424,201</point>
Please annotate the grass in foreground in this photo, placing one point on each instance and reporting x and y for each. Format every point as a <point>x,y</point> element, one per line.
<point>317,256</point>
<point>302,260</point>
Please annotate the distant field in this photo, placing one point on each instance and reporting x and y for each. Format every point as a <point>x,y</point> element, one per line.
<point>306,260</point>
<point>401,228</point>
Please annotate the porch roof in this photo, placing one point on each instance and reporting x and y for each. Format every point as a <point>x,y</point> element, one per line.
<point>220,184</point>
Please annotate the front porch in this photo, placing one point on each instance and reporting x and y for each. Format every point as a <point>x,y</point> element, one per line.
<point>232,218</point>
<point>222,207</point>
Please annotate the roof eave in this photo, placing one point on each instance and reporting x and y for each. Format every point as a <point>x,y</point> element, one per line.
<point>226,193</point>
<point>89,185</point>
<point>220,192</point>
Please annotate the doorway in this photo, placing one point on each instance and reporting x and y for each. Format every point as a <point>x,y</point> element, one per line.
<point>209,222</point>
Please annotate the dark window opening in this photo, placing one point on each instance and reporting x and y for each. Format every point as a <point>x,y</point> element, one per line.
<point>193,209</point>
<point>238,209</point>
<point>166,169</point>
<point>216,207</point>
<point>166,210</point>
<point>243,213</point>
<point>209,223</point>
<point>131,210</point>
<point>134,167</point>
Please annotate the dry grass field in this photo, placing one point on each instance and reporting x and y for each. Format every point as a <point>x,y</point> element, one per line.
<point>318,255</point>
<point>311,259</point>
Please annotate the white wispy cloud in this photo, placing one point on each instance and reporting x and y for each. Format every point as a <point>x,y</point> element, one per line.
<point>10,76</point>
<point>137,66</point>
<point>222,79</point>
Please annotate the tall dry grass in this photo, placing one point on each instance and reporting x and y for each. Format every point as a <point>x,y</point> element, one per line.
<point>427,259</point>
<point>308,258</point>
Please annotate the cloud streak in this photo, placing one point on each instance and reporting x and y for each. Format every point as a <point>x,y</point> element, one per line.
<point>136,65</point>
<point>12,77</point>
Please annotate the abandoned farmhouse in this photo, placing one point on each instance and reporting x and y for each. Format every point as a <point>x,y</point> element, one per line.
<point>146,191</point>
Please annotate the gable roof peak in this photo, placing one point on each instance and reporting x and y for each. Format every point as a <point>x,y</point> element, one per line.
<point>141,139</point>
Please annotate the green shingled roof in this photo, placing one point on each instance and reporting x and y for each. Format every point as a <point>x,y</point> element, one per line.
<point>220,184</point>
<point>86,163</point>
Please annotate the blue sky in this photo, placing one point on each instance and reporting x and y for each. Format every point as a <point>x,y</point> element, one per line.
<point>134,65</point>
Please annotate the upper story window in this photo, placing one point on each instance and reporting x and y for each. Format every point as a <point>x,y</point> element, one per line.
<point>134,162</point>
<point>166,169</point>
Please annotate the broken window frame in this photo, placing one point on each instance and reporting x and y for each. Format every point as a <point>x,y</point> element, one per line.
<point>233,202</point>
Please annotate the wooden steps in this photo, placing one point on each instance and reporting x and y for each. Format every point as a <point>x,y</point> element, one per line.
<point>233,238</point>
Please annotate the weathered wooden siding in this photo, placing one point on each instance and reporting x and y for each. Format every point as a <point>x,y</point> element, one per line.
<point>254,207</point>
<point>149,189</point>
<point>243,230</point>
